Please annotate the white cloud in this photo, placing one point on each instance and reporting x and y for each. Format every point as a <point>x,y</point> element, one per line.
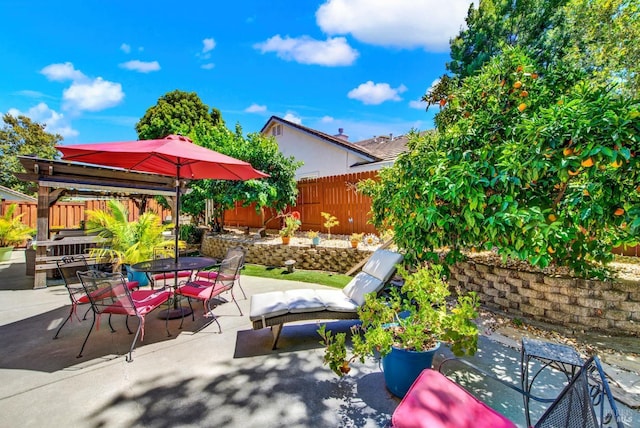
<point>291,117</point>
<point>62,72</point>
<point>376,93</point>
<point>94,95</point>
<point>125,48</point>
<point>208,66</point>
<point>327,119</point>
<point>208,45</point>
<point>399,23</point>
<point>141,66</point>
<point>418,104</point>
<point>306,50</point>
<point>255,108</point>
<point>56,122</point>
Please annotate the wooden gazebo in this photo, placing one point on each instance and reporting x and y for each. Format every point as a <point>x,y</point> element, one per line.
<point>56,179</point>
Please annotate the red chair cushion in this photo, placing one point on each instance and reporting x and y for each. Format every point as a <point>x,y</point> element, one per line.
<point>201,289</point>
<point>436,401</point>
<point>211,275</point>
<point>144,301</point>
<point>132,285</point>
<point>171,275</point>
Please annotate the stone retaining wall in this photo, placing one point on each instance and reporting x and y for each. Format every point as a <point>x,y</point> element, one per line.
<point>612,306</point>
<point>307,257</point>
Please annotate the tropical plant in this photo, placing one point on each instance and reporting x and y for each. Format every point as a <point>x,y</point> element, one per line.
<point>415,318</point>
<point>291,224</point>
<point>126,242</point>
<point>329,222</point>
<point>12,230</point>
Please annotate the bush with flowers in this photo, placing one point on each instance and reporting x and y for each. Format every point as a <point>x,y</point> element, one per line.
<point>291,223</point>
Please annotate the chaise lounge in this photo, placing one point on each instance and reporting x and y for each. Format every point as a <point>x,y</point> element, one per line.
<point>274,309</point>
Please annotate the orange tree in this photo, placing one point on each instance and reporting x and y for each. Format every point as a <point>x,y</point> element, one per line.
<point>534,163</point>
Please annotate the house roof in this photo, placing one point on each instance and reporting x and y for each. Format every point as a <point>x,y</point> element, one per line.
<point>355,147</point>
<point>386,147</point>
<point>15,195</point>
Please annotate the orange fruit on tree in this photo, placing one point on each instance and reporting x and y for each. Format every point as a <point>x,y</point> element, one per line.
<point>568,151</point>
<point>524,94</point>
<point>534,76</point>
<point>587,163</point>
<point>517,84</point>
<point>550,249</point>
<point>552,217</point>
<point>585,192</point>
<point>522,107</point>
<point>616,164</point>
<point>618,211</point>
<point>573,173</point>
<point>519,69</point>
<point>443,102</point>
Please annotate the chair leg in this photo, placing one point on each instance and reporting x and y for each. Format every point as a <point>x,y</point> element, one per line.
<point>93,322</point>
<point>129,358</point>
<point>236,302</point>
<point>126,323</point>
<point>276,330</point>
<point>65,321</point>
<point>242,289</point>
<point>86,313</point>
<point>215,318</point>
<point>113,330</point>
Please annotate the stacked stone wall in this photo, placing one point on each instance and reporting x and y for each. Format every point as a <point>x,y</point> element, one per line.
<point>579,304</point>
<point>330,259</point>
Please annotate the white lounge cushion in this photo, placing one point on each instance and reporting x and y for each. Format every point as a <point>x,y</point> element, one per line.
<point>268,305</point>
<point>303,300</point>
<point>361,285</point>
<point>336,301</point>
<point>382,264</point>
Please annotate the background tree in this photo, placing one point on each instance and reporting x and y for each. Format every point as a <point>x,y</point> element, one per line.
<point>22,136</point>
<point>186,114</point>
<point>270,195</point>
<point>177,112</point>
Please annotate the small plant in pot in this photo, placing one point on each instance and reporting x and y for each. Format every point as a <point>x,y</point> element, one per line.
<point>355,239</point>
<point>314,236</point>
<point>12,232</point>
<point>405,325</point>
<point>291,224</point>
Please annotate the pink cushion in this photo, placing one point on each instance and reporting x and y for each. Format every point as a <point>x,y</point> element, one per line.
<point>171,275</point>
<point>85,299</point>
<point>436,401</point>
<point>201,290</point>
<point>211,275</point>
<point>144,301</point>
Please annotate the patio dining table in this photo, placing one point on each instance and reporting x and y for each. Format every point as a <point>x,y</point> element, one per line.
<point>167,265</point>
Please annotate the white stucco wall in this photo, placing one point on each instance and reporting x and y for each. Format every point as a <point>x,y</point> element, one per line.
<point>321,158</point>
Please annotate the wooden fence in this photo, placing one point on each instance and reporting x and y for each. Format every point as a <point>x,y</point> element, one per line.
<point>71,215</point>
<point>336,195</point>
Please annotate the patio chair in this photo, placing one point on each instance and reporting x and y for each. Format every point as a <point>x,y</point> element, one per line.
<point>274,309</point>
<point>207,290</point>
<point>168,251</point>
<point>68,267</point>
<point>109,294</point>
<point>434,400</point>
<point>231,252</point>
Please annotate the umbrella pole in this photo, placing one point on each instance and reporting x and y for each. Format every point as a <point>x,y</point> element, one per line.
<point>177,227</point>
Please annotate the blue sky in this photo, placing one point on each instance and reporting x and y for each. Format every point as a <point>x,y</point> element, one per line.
<point>90,69</point>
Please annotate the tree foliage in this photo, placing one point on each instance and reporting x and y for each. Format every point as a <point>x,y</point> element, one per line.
<point>274,193</point>
<point>529,162</point>
<point>22,136</point>
<point>176,112</point>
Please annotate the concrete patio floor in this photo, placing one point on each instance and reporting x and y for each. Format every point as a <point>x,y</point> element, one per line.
<point>196,377</point>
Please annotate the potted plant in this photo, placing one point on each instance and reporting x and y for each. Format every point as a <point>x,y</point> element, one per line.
<point>355,239</point>
<point>315,238</point>
<point>291,224</point>
<point>329,222</point>
<point>12,232</point>
<point>127,243</point>
<point>406,327</point>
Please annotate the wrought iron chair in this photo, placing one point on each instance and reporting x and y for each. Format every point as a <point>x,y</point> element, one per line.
<point>209,289</point>
<point>109,294</point>
<point>166,251</point>
<point>210,275</point>
<point>68,267</point>
<point>435,400</point>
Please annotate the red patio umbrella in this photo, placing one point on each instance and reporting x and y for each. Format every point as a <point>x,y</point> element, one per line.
<point>173,155</point>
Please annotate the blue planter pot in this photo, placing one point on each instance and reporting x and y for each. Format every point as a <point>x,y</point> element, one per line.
<point>402,367</point>
<point>141,277</point>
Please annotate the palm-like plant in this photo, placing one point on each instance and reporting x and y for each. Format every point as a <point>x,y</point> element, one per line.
<point>126,242</point>
<point>12,230</point>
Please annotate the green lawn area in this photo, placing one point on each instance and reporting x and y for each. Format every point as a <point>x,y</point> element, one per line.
<point>314,276</point>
